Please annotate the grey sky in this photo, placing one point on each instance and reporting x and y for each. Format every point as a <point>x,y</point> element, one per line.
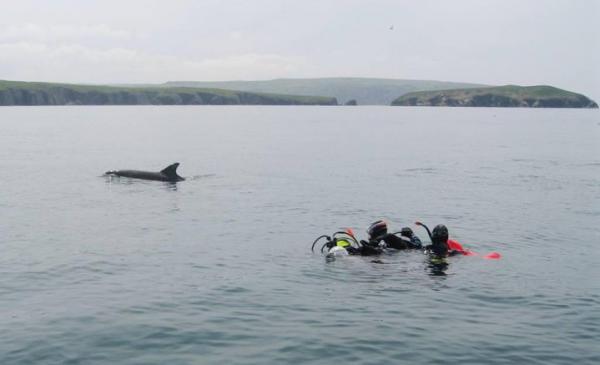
<point>497,42</point>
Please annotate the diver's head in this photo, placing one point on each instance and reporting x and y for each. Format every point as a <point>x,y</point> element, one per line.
<point>406,232</point>
<point>377,229</point>
<point>439,234</point>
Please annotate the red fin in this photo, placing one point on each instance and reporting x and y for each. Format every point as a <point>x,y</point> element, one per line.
<point>454,245</point>
<point>492,256</point>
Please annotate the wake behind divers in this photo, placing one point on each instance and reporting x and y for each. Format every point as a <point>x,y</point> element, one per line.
<point>379,240</point>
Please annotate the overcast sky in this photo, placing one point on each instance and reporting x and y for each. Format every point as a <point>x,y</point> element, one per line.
<point>522,42</point>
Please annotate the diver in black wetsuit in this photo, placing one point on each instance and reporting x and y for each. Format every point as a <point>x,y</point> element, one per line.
<point>438,250</point>
<point>440,245</point>
<point>344,241</point>
<point>439,241</point>
<point>379,239</point>
<point>364,250</point>
<point>378,233</point>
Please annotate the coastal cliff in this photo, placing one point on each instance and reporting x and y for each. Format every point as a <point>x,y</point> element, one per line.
<point>501,96</point>
<point>366,91</point>
<point>39,93</point>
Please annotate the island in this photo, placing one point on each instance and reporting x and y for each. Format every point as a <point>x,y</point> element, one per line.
<point>42,93</point>
<point>541,96</point>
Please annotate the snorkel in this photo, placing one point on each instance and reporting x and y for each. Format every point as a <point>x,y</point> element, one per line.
<point>318,239</point>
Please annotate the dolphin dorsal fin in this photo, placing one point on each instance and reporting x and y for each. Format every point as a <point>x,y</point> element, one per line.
<point>171,170</point>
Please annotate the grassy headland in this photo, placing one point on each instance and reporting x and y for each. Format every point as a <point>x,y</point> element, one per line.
<point>366,91</point>
<point>501,96</point>
<point>41,93</point>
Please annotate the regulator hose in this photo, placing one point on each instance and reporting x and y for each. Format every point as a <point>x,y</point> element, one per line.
<point>317,240</point>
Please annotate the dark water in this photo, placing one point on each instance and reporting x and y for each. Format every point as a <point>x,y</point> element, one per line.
<point>218,269</point>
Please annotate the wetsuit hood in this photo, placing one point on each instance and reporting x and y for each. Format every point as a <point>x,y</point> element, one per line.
<point>439,234</point>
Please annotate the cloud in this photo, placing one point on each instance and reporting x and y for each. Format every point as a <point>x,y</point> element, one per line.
<point>236,36</point>
<point>46,33</point>
<point>78,63</point>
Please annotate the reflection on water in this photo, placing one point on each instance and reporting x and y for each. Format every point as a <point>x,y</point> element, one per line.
<point>112,179</point>
<point>437,265</point>
<point>172,186</point>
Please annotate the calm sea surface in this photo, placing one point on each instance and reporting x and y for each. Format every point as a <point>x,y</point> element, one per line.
<point>218,268</point>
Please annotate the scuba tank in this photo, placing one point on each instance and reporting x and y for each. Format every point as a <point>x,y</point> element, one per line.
<point>344,240</point>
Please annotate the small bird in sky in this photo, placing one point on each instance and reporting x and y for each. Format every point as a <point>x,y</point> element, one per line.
<point>392,27</point>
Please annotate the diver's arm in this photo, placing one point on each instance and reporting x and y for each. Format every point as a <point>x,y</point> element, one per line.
<point>396,242</point>
<point>373,242</point>
<point>416,242</point>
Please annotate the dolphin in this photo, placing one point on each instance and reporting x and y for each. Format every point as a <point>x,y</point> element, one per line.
<point>169,174</point>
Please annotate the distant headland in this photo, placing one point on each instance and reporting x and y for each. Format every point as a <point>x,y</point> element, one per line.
<point>41,93</point>
<point>500,96</point>
<point>319,91</point>
<point>365,91</point>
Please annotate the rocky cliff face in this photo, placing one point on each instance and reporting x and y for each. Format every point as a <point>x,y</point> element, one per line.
<point>509,96</point>
<point>20,94</point>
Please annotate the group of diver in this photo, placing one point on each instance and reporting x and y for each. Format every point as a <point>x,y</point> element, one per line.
<point>380,240</point>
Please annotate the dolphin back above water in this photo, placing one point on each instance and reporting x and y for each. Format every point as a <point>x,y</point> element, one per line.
<point>169,174</point>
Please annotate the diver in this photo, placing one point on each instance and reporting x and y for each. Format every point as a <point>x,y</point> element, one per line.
<point>379,236</point>
<point>376,233</point>
<point>344,243</point>
<point>439,241</point>
<point>439,246</point>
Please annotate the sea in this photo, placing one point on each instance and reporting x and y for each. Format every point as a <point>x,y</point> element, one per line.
<point>218,269</point>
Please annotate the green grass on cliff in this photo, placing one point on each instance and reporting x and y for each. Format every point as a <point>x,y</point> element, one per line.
<point>539,91</point>
<point>231,95</point>
<point>513,92</point>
